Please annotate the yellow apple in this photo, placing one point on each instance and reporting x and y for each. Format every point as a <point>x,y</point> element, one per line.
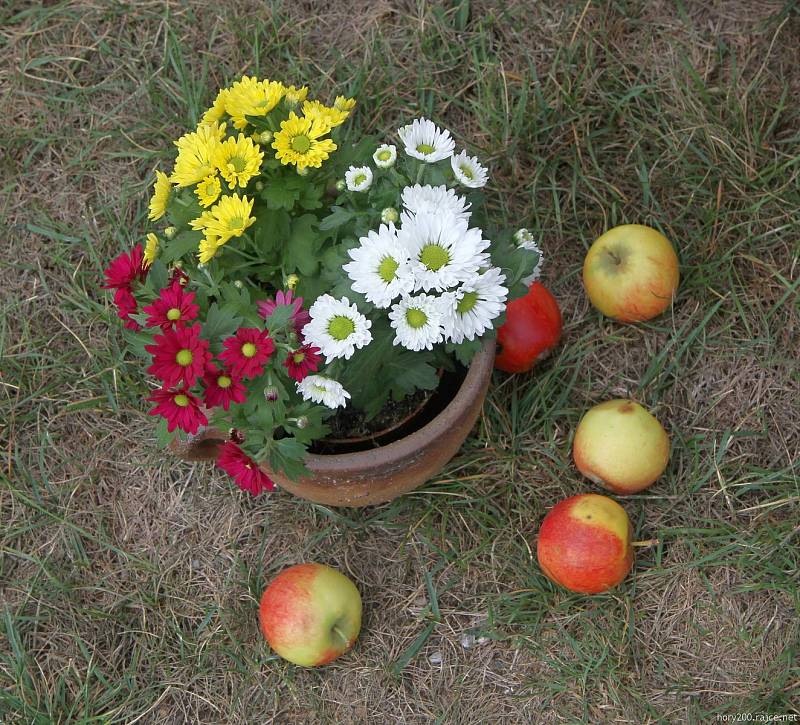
<point>621,446</point>
<point>310,614</point>
<point>631,273</point>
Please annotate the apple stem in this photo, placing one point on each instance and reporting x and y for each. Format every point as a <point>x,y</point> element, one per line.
<point>614,257</point>
<point>645,542</point>
<point>339,632</point>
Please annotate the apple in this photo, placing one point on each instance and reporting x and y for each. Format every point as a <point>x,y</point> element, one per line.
<point>631,273</point>
<point>620,445</point>
<point>585,544</point>
<point>310,614</point>
<point>531,330</point>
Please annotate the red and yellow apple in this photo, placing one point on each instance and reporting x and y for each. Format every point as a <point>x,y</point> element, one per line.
<point>621,445</point>
<point>631,273</point>
<point>310,614</point>
<point>585,544</point>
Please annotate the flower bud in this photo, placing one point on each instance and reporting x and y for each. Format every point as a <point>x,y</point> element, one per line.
<point>389,215</point>
<point>523,236</point>
<point>270,393</point>
<point>236,435</point>
<point>170,232</point>
<point>291,281</point>
<point>259,186</point>
<point>266,136</point>
<point>238,284</point>
<point>341,185</point>
<point>302,422</point>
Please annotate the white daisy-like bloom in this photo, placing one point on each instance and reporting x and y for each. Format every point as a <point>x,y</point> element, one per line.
<point>385,156</point>
<point>472,307</point>
<point>380,268</point>
<point>320,389</point>
<point>358,178</point>
<point>337,328</point>
<point>425,141</point>
<point>525,239</point>
<point>418,322</point>
<point>469,171</point>
<point>434,200</point>
<point>443,250</point>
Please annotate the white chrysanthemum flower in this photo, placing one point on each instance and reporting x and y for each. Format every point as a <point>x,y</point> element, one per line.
<point>380,268</point>
<point>385,156</point>
<point>444,251</point>
<point>469,171</point>
<point>358,178</point>
<point>434,200</point>
<point>337,328</point>
<point>425,141</point>
<point>417,322</point>
<point>525,239</point>
<point>473,306</point>
<point>319,389</point>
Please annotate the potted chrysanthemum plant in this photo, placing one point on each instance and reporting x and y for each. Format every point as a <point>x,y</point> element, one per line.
<point>260,312</point>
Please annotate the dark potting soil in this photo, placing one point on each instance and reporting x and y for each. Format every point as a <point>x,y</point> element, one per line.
<point>351,424</point>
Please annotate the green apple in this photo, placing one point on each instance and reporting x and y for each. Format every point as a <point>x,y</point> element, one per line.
<point>631,273</point>
<point>621,446</point>
<point>310,614</point>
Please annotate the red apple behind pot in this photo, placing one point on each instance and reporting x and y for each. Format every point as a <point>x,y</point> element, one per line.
<point>531,330</point>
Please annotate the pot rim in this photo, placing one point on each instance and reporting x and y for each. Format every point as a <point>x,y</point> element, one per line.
<point>400,450</point>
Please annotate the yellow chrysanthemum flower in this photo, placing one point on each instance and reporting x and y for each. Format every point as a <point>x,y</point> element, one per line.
<point>238,160</point>
<point>151,248</point>
<point>217,110</point>
<point>318,111</point>
<point>160,198</point>
<point>227,219</point>
<point>342,103</point>
<point>194,155</point>
<point>293,95</point>
<point>208,190</point>
<point>251,97</point>
<point>298,142</point>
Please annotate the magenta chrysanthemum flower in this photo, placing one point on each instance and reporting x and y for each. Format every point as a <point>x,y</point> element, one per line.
<point>180,408</point>
<point>243,469</point>
<point>303,361</point>
<point>247,351</point>
<point>173,308</point>
<point>126,306</point>
<point>179,276</point>
<point>299,317</point>
<point>180,356</point>
<point>222,388</point>
<point>125,269</point>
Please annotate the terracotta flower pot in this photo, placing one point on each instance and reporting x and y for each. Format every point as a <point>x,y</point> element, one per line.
<point>386,472</point>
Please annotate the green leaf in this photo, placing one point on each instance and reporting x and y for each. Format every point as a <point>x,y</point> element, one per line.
<point>180,245</point>
<point>465,351</point>
<point>220,323</point>
<point>182,207</point>
<point>136,341</point>
<point>287,455</point>
<point>336,218</point>
<point>163,436</point>
<point>414,376</point>
<point>280,195</point>
<point>301,251</point>
<point>157,276</point>
<point>270,231</point>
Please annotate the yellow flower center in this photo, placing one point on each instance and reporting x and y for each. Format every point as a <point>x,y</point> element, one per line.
<point>301,144</point>
<point>467,302</point>
<point>173,313</point>
<point>387,269</point>
<point>425,148</point>
<point>360,179</point>
<point>237,164</point>
<point>181,400</point>
<point>236,224</point>
<point>384,155</point>
<point>416,318</point>
<point>223,381</point>
<point>341,327</point>
<point>298,357</point>
<point>249,349</point>
<point>467,172</point>
<point>184,357</point>
<point>434,257</point>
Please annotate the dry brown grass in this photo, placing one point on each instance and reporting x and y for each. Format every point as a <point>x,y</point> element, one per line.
<point>128,582</point>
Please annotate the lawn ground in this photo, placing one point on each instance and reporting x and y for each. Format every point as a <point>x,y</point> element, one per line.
<point>129,581</point>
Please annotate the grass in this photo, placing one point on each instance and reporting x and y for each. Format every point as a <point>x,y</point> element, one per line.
<point>129,582</point>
